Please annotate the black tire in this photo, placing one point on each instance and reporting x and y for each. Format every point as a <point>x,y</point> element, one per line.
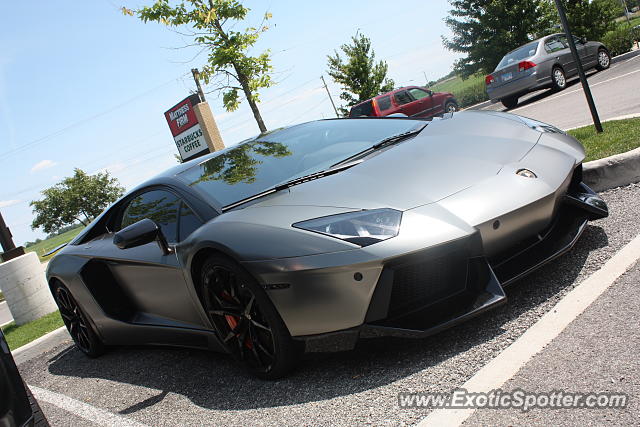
<point>245,319</point>
<point>77,322</point>
<point>39,420</point>
<point>450,107</point>
<point>558,79</point>
<point>510,102</point>
<point>604,59</point>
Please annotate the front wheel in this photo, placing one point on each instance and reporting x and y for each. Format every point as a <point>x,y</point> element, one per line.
<point>77,323</point>
<point>604,60</point>
<point>245,320</point>
<point>450,107</point>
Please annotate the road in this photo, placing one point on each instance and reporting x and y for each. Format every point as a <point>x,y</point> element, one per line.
<point>5,313</point>
<point>616,93</point>
<point>163,386</point>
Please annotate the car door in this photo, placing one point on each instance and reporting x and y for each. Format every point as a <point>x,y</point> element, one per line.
<point>153,280</point>
<point>566,57</point>
<point>402,100</point>
<point>422,103</point>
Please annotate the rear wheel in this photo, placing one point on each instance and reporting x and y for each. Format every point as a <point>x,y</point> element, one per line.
<point>245,320</point>
<point>510,101</point>
<point>79,327</point>
<point>558,78</point>
<point>604,59</point>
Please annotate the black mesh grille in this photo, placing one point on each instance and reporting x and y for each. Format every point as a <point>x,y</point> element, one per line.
<point>421,284</point>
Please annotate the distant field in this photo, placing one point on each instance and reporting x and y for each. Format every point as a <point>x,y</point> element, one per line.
<point>48,244</point>
<point>457,84</point>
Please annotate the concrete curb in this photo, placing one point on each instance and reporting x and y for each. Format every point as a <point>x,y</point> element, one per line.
<point>41,345</point>
<point>614,171</point>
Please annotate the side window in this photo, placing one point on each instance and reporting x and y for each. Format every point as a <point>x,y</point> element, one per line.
<point>384,102</point>
<point>553,45</point>
<point>564,41</point>
<point>189,222</point>
<point>402,97</point>
<point>158,205</point>
<point>418,93</point>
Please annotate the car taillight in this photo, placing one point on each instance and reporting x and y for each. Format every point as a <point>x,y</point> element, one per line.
<point>525,65</point>
<point>489,79</point>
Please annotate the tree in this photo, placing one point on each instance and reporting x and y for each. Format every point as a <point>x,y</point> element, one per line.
<point>229,66</point>
<point>360,77</point>
<point>78,198</point>
<point>484,30</point>
<point>587,18</point>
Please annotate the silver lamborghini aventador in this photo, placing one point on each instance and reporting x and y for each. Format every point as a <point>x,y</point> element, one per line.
<point>310,237</point>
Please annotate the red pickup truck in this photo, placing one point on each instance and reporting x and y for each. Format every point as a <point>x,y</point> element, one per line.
<point>413,101</point>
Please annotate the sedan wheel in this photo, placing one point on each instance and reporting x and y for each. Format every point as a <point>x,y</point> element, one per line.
<point>76,322</point>
<point>245,320</point>
<point>604,60</point>
<point>559,79</point>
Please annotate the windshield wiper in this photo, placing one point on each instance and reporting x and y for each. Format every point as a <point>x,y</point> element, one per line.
<point>383,143</point>
<point>292,182</point>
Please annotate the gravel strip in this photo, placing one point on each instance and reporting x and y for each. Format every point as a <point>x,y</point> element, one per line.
<point>173,386</point>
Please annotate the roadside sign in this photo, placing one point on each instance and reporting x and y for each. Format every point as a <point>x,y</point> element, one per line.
<point>186,130</point>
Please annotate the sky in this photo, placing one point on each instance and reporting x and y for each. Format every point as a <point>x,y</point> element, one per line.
<point>83,86</point>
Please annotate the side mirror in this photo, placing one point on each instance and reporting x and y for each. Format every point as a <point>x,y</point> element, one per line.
<point>583,40</point>
<point>430,92</point>
<point>140,233</point>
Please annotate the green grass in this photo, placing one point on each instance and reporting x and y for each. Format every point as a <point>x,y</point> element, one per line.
<point>45,246</point>
<point>457,84</point>
<point>1,297</point>
<point>618,137</point>
<point>18,336</point>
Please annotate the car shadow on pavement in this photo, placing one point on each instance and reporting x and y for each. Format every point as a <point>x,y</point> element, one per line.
<point>214,381</point>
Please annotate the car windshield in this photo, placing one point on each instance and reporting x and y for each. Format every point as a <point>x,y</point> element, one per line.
<point>261,163</point>
<point>520,54</point>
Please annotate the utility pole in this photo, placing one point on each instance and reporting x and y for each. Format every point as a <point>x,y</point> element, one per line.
<point>576,58</point>
<point>196,77</point>
<point>330,99</point>
<point>626,12</point>
<point>426,80</point>
<point>205,118</point>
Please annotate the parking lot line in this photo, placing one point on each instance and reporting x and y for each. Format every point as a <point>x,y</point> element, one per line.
<point>504,366</point>
<point>84,410</point>
<point>591,85</point>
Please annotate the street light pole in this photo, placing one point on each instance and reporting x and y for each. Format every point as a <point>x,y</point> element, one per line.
<point>576,58</point>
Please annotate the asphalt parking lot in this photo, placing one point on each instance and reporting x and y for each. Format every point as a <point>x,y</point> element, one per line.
<point>616,93</point>
<point>165,386</point>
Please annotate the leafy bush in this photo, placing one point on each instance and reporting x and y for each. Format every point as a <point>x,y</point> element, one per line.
<point>619,41</point>
<point>472,94</point>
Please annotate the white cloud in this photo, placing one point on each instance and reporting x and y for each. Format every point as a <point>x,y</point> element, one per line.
<point>7,203</point>
<point>44,164</point>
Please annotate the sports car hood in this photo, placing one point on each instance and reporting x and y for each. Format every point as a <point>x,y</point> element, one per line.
<point>448,156</point>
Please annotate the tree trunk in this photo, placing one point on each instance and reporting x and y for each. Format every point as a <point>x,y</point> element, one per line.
<point>247,93</point>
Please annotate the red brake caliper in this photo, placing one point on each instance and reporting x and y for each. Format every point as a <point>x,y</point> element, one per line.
<point>233,321</point>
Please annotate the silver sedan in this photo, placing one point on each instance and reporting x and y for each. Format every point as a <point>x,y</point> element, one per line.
<point>543,63</point>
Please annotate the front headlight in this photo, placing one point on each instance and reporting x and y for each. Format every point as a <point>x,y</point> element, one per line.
<point>540,126</point>
<point>362,228</point>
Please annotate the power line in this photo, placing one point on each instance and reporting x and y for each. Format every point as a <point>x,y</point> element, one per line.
<point>45,138</point>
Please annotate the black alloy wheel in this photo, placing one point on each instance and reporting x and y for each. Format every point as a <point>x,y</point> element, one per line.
<point>245,320</point>
<point>76,322</point>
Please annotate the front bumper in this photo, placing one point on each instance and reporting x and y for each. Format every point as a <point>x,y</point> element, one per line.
<point>424,293</point>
